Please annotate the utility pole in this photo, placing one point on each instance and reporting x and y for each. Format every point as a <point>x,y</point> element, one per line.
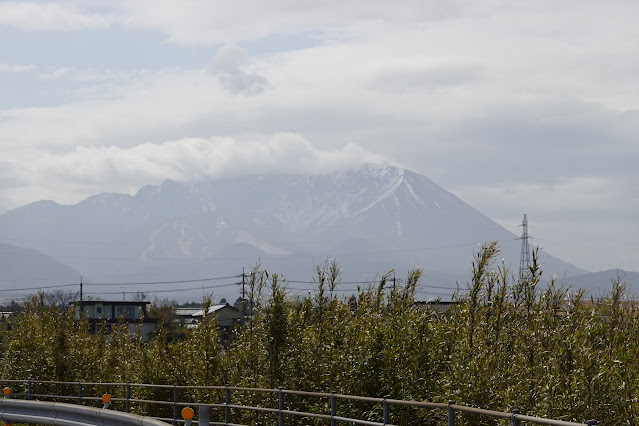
<point>80,291</point>
<point>243,283</point>
<point>524,262</point>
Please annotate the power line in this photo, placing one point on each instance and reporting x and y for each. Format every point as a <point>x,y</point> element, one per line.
<point>315,282</point>
<point>40,288</point>
<point>309,256</point>
<point>119,284</point>
<point>186,281</point>
<point>164,282</point>
<point>169,291</point>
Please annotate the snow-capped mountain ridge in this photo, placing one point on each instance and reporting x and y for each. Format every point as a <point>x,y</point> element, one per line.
<point>372,219</point>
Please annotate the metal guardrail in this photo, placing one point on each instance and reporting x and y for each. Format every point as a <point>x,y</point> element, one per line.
<point>58,413</point>
<point>281,411</point>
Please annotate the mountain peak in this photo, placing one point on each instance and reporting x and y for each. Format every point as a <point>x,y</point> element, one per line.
<point>371,219</point>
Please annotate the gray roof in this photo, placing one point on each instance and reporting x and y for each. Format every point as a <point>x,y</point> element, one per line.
<point>214,308</point>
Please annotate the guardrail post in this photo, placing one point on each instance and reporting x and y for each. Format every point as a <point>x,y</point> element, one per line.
<point>175,404</point>
<point>333,409</point>
<point>204,415</point>
<point>29,389</point>
<point>281,407</point>
<point>227,403</point>
<point>451,413</point>
<point>79,393</point>
<point>127,406</point>
<point>513,416</point>
<point>386,411</point>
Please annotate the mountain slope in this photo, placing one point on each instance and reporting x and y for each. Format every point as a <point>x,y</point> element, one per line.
<point>22,268</point>
<point>600,283</point>
<point>372,220</point>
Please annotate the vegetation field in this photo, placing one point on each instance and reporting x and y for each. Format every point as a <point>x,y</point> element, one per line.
<point>505,344</point>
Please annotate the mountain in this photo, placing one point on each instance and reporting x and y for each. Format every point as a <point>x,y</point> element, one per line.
<point>372,220</point>
<point>21,268</point>
<point>600,283</point>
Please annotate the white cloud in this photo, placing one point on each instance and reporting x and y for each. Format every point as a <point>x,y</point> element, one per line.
<point>206,22</point>
<point>39,16</point>
<point>229,66</point>
<point>195,159</point>
<point>87,170</point>
<point>4,67</point>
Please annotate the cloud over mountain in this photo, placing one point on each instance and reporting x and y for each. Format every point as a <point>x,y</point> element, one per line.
<point>190,159</point>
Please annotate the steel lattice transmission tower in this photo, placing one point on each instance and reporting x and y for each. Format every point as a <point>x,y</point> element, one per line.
<point>524,262</point>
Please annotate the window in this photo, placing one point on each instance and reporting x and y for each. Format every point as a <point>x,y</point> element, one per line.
<point>128,312</point>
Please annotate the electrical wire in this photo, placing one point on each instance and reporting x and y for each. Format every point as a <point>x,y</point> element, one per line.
<point>121,284</point>
<point>39,288</point>
<point>168,291</point>
<point>306,256</point>
<point>163,282</point>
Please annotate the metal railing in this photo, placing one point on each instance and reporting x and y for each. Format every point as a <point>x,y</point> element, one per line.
<point>123,393</point>
<point>59,413</point>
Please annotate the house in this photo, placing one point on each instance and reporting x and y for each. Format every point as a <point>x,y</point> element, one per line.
<point>186,318</point>
<point>107,313</point>
<point>226,315</point>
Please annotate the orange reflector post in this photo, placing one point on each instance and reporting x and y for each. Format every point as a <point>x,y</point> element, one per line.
<point>188,413</point>
<point>106,398</point>
<point>6,390</point>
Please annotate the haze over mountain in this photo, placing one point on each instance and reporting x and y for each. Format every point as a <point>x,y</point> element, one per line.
<point>372,220</point>
<point>25,268</point>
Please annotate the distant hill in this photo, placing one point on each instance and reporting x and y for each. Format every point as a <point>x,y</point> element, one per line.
<point>22,268</point>
<point>599,283</point>
<point>372,220</point>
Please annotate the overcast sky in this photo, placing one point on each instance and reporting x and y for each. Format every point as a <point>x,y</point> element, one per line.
<point>514,106</point>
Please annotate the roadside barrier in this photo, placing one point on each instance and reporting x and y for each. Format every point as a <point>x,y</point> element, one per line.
<point>226,409</point>
<point>59,413</point>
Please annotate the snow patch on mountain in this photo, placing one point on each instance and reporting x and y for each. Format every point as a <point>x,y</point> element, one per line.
<point>412,193</point>
<point>246,238</point>
<point>398,223</point>
<point>384,195</point>
<point>175,238</point>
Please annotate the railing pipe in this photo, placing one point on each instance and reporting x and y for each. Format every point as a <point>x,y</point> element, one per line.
<point>227,405</point>
<point>451,413</point>
<point>175,405</point>
<point>386,406</point>
<point>333,409</point>
<point>281,407</point>
<point>514,416</point>
<point>203,415</point>
<point>127,404</point>
<point>515,419</point>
